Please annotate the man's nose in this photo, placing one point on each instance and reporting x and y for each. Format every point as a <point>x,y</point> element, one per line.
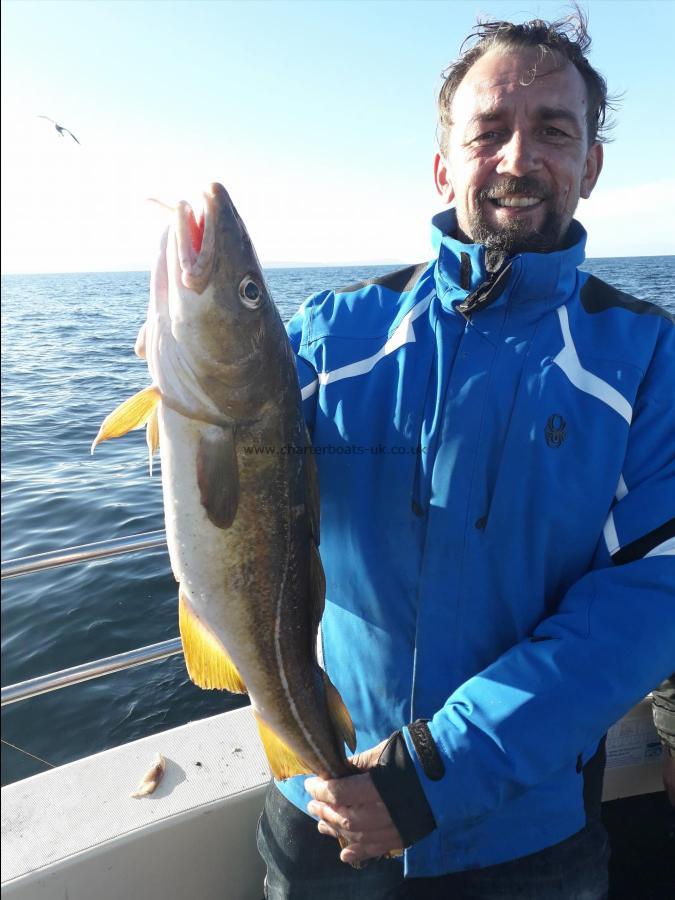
<point>519,156</point>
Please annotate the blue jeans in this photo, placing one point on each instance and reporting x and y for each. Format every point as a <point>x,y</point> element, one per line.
<point>303,864</point>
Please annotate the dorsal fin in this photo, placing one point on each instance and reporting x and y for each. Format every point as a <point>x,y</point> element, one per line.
<point>339,714</point>
<point>317,590</point>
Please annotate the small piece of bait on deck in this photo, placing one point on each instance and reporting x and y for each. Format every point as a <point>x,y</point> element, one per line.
<point>151,778</point>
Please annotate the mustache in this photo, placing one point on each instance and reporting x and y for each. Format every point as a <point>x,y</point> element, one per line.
<point>526,185</point>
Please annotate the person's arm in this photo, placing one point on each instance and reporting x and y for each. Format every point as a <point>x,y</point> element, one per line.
<point>543,705</point>
<point>546,702</point>
<point>549,700</point>
<point>663,708</point>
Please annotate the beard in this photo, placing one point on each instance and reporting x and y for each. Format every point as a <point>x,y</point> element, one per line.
<point>518,236</point>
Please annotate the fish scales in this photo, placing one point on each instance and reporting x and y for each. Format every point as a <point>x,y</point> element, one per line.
<point>239,486</point>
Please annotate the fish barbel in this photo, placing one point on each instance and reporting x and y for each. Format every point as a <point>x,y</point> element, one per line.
<point>240,486</point>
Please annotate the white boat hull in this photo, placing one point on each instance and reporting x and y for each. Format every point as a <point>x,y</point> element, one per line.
<point>75,833</point>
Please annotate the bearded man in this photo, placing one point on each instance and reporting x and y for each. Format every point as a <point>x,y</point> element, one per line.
<point>499,553</point>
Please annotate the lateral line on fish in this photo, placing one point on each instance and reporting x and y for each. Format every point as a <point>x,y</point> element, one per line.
<point>280,662</point>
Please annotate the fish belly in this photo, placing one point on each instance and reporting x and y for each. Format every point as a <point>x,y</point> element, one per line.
<point>206,560</point>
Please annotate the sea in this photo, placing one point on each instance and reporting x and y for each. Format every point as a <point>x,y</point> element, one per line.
<point>67,361</point>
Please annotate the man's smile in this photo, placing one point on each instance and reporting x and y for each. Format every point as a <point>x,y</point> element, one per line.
<point>515,202</point>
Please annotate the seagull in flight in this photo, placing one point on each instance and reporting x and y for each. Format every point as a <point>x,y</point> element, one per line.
<point>61,130</point>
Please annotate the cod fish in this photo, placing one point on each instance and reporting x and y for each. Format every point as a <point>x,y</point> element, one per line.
<point>239,484</point>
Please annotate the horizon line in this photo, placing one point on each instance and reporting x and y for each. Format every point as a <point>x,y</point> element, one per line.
<point>271,265</point>
<point>293,265</point>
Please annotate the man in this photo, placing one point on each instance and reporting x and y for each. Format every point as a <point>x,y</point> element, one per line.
<point>496,445</point>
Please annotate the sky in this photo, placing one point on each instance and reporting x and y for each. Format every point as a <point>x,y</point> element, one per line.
<point>317,116</point>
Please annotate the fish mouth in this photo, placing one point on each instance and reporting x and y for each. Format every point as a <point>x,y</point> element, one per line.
<point>196,238</point>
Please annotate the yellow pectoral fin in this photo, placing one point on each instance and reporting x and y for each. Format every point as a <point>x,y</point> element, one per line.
<point>208,663</point>
<point>152,436</point>
<point>133,413</point>
<point>284,762</point>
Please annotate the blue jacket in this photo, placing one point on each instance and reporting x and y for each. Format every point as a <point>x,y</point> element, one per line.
<point>497,528</point>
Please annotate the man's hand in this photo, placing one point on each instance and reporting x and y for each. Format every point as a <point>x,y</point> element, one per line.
<point>351,808</point>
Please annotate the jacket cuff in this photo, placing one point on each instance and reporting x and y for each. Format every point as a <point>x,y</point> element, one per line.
<point>399,787</point>
<point>663,709</point>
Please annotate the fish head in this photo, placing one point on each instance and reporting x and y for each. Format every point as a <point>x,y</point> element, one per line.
<point>213,333</point>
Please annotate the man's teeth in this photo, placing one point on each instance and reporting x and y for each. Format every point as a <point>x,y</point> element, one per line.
<point>516,201</point>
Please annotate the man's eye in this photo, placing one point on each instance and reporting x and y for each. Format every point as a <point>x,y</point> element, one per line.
<point>552,131</point>
<point>486,137</point>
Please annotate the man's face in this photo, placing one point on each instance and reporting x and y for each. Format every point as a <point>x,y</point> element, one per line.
<point>517,157</point>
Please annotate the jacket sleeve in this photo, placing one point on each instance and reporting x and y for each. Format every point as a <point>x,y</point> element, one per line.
<point>549,699</point>
<point>299,333</point>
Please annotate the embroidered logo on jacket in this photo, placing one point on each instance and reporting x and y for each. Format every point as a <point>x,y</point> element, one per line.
<point>556,430</point>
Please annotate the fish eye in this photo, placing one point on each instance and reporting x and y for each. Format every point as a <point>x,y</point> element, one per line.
<point>250,292</point>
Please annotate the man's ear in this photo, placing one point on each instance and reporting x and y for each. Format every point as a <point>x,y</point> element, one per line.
<point>442,179</point>
<point>594,162</point>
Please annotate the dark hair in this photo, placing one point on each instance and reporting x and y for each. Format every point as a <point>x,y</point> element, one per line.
<point>567,37</point>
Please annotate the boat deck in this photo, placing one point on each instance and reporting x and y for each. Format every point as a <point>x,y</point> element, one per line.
<point>74,832</point>
<point>76,827</point>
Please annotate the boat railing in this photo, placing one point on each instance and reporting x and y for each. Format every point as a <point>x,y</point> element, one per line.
<point>26,565</point>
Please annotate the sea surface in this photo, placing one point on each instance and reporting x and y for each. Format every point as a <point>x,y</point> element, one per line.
<point>67,361</point>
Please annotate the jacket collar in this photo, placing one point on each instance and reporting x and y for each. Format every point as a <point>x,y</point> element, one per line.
<point>547,279</point>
